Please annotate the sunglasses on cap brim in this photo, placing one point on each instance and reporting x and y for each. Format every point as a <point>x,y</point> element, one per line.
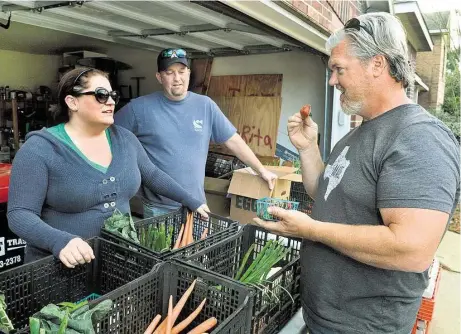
<point>102,95</point>
<point>173,53</point>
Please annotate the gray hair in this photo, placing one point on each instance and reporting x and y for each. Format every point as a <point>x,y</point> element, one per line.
<point>388,39</point>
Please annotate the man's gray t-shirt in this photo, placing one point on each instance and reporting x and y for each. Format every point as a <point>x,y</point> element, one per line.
<point>405,158</point>
<point>176,137</point>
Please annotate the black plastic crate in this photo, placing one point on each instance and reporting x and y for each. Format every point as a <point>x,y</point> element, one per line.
<point>299,194</point>
<point>227,301</point>
<point>269,315</point>
<point>219,228</point>
<point>11,246</point>
<point>137,303</point>
<point>34,285</point>
<point>218,164</point>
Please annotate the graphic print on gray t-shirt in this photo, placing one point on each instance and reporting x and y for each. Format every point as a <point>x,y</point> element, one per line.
<point>404,158</point>
<point>336,171</point>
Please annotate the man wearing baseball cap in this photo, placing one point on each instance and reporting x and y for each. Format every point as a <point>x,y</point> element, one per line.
<point>171,56</point>
<point>175,127</point>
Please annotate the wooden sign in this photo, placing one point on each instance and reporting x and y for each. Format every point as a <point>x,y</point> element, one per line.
<point>256,120</point>
<point>268,85</point>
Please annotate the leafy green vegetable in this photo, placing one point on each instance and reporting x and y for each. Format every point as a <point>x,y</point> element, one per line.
<point>270,255</point>
<point>244,262</point>
<point>5,323</point>
<point>34,325</point>
<point>157,239</point>
<point>123,225</point>
<point>297,164</point>
<point>169,237</point>
<point>72,306</point>
<point>65,320</point>
<point>71,318</point>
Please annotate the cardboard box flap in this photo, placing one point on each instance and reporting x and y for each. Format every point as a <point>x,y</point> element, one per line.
<point>216,186</point>
<point>282,170</point>
<point>286,173</point>
<point>293,177</point>
<point>247,170</point>
<point>245,182</point>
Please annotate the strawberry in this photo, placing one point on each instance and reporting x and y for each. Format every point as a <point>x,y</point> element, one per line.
<point>305,111</point>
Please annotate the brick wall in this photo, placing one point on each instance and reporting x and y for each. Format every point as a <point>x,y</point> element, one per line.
<point>430,66</point>
<point>356,120</point>
<point>327,14</point>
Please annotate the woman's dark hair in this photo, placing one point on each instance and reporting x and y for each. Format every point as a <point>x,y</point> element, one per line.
<point>73,81</point>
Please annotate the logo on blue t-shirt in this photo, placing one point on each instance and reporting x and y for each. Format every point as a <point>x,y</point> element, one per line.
<point>198,125</point>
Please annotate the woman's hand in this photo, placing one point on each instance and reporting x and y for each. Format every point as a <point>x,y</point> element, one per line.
<point>76,252</point>
<point>203,209</point>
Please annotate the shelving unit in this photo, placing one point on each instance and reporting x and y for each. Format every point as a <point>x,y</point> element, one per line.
<point>14,109</point>
<point>22,117</point>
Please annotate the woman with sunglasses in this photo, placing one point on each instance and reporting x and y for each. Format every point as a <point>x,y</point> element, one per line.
<point>67,179</point>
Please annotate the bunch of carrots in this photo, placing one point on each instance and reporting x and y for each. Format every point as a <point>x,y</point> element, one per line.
<point>185,236</point>
<point>168,327</point>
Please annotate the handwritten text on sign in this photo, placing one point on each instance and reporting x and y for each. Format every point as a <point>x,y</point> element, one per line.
<point>250,133</point>
<point>256,118</point>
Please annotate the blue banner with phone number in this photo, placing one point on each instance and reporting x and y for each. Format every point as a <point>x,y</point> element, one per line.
<point>285,154</point>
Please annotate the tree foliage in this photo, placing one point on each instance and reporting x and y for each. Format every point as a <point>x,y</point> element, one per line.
<point>450,111</point>
<point>451,104</point>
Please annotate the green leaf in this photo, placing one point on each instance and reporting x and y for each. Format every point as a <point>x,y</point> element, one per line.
<point>5,323</point>
<point>34,325</point>
<point>245,259</point>
<point>64,321</point>
<point>60,320</point>
<point>122,225</point>
<point>169,239</point>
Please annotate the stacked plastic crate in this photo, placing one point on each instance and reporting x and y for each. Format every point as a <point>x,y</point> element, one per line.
<point>276,300</point>
<point>139,286</point>
<point>426,310</point>
<point>299,194</point>
<point>221,165</point>
<point>216,229</point>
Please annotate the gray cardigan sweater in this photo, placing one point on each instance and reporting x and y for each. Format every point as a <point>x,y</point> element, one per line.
<point>55,195</point>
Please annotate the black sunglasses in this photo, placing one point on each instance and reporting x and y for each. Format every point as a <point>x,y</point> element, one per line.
<point>354,23</point>
<point>102,95</point>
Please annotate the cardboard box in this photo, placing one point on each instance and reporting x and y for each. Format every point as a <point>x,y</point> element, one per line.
<point>216,196</point>
<point>246,187</point>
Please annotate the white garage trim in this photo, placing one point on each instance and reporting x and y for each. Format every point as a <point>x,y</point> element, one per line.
<point>272,14</point>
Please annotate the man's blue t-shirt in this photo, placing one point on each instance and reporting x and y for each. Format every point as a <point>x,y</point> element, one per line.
<point>176,136</point>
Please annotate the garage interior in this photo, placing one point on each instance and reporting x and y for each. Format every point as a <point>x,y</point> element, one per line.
<point>41,40</point>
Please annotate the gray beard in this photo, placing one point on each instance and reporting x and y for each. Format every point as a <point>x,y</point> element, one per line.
<point>351,108</point>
